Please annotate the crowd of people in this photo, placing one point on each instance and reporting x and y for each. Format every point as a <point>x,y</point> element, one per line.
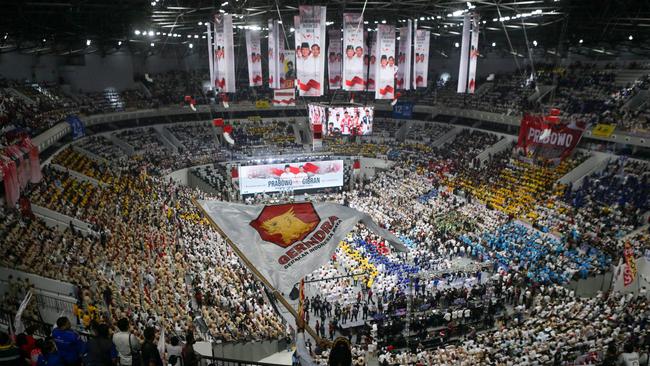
<point>490,242</point>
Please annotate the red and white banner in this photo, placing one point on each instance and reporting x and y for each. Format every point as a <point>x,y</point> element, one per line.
<point>274,54</point>
<point>334,59</point>
<point>385,67</point>
<point>404,57</point>
<point>473,54</point>
<point>421,59</point>
<point>310,37</point>
<point>353,68</point>
<point>254,55</point>
<point>464,55</point>
<point>210,53</point>
<point>286,242</point>
<point>372,62</point>
<point>224,70</point>
<point>284,97</point>
<point>546,140</point>
<point>629,270</point>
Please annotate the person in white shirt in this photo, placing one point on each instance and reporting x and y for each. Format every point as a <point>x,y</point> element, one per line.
<point>125,343</point>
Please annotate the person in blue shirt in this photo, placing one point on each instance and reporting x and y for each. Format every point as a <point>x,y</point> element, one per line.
<point>50,356</point>
<point>68,342</point>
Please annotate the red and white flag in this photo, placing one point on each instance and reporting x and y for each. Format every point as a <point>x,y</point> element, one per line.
<point>274,54</point>
<point>254,56</point>
<point>310,38</point>
<point>286,242</point>
<point>372,62</point>
<point>284,97</point>
<point>464,55</point>
<point>385,68</point>
<point>353,59</point>
<point>473,54</point>
<point>404,57</point>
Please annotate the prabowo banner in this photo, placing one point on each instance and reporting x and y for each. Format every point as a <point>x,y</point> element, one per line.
<point>353,68</point>
<point>310,38</point>
<point>290,176</point>
<point>334,59</point>
<point>473,54</point>
<point>557,143</point>
<point>254,55</point>
<point>286,242</point>
<point>284,97</point>
<point>224,59</point>
<point>385,68</point>
<point>421,58</point>
<point>404,57</point>
<point>372,62</point>
<point>274,54</point>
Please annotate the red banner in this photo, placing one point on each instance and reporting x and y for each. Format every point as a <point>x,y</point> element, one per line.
<point>545,140</point>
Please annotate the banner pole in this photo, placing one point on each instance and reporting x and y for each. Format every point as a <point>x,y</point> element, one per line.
<point>252,268</point>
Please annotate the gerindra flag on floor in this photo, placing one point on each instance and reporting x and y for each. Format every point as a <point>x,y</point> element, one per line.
<point>286,242</point>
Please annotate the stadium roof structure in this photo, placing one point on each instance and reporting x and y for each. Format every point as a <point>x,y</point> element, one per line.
<point>599,27</point>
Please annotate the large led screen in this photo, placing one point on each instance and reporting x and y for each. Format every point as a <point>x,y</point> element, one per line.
<point>290,176</point>
<point>353,121</point>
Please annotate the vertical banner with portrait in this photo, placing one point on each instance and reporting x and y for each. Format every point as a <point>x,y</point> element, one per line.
<point>402,81</point>
<point>473,55</point>
<point>334,58</point>
<point>464,54</point>
<point>310,62</point>
<point>385,66</point>
<point>372,61</point>
<point>273,54</point>
<point>421,58</point>
<point>224,61</point>
<point>254,55</point>
<point>287,68</point>
<point>353,67</point>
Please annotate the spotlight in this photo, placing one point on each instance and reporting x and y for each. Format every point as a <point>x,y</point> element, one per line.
<point>494,44</point>
<point>580,41</point>
<point>88,42</point>
<point>152,44</point>
<point>456,45</point>
<point>44,40</point>
<point>151,33</point>
<point>535,43</point>
<point>119,43</point>
<point>630,37</point>
<point>137,32</point>
<point>191,45</point>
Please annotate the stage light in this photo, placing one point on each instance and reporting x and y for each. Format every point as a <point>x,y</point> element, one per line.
<point>630,37</point>
<point>292,29</point>
<point>456,45</point>
<point>494,44</point>
<point>196,36</point>
<point>189,36</point>
<point>119,43</point>
<point>580,41</point>
<point>200,23</point>
<point>383,22</point>
<point>153,3</point>
<point>88,42</point>
<point>151,33</point>
<point>534,43</point>
<point>421,18</point>
<point>191,45</point>
<point>152,44</point>
<point>137,32</point>
<point>44,40</point>
<point>157,33</point>
<point>203,37</point>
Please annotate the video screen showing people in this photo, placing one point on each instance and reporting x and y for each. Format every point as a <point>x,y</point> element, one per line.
<point>316,114</point>
<point>349,121</point>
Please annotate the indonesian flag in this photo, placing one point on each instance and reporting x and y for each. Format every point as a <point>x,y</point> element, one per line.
<point>284,97</point>
<point>19,327</point>
<point>284,243</point>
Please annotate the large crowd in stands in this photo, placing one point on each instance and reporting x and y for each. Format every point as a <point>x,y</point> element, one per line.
<point>480,257</point>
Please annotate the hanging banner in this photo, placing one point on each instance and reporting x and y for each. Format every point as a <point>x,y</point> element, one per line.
<point>473,55</point>
<point>284,243</point>
<point>464,54</point>
<point>254,55</point>
<point>224,69</point>
<point>548,141</point>
<point>334,59</point>
<point>273,53</point>
<point>372,62</point>
<point>629,271</point>
<point>404,58</point>
<point>385,67</point>
<point>210,54</point>
<point>310,37</point>
<point>77,128</point>
<point>421,58</point>
<point>284,97</point>
<point>353,67</point>
<point>287,69</point>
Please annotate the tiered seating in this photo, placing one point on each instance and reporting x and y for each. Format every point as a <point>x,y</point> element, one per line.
<point>143,140</point>
<point>102,147</point>
<point>198,139</point>
<point>215,176</point>
<point>74,160</point>
<point>386,127</point>
<point>429,131</point>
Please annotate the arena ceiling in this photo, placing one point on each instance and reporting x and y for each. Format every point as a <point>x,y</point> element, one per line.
<point>598,27</point>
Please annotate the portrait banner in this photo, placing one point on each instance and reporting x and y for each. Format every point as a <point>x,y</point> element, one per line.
<point>421,58</point>
<point>224,60</point>
<point>385,67</point>
<point>353,66</point>
<point>310,37</point>
<point>334,59</point>
<point>254,55</point>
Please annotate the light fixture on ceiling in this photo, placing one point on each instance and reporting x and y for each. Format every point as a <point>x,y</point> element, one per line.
<point>456,45</point>
<point>119,43</point>
<point>494,44</point>
<point>534,43</point>
<point>151,33</point>
<point>88,42</point>
<point>200,23</point>
<point>152,44</point>
<point>191,45</point>
<point>580,41</point>
<point>630,37</point>
<point>137,32</point>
